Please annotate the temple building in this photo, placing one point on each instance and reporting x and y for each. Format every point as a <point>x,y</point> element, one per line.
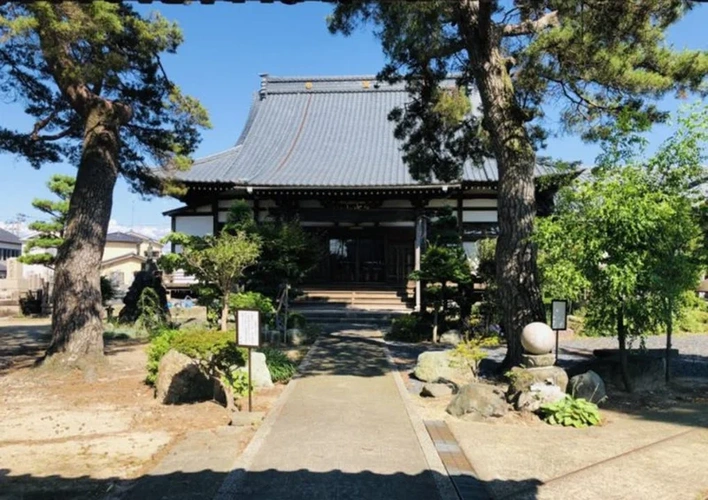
<point>322,149</point>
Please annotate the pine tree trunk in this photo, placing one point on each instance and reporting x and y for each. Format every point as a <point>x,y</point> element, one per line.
<point>624,362</point>
<point>77,328</point>
<point>518,294</point>
<point>669,331</point>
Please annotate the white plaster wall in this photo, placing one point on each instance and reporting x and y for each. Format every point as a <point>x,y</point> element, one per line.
<point>437,203</point>
<point>479,203</point>
<point>194,225</point>
<point>479,216</point>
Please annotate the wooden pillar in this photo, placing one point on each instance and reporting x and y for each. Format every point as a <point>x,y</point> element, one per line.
<point>460,212</point>
<point>215,214</point>
<point>420,235</point>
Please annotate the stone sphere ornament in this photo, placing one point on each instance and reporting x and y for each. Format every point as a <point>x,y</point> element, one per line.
<point>538,338</point>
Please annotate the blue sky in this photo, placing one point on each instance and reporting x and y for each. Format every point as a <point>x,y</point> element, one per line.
<point>226,47</point>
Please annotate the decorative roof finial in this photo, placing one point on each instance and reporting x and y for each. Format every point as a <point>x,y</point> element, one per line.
<point>263,92</point>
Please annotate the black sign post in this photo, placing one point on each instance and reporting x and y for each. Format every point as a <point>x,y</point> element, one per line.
<point>248,335</point>
<point>559,318</point>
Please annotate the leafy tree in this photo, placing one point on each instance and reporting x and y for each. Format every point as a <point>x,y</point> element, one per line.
<point>288,253</point>
<point>593,58</point>
<point>51,232</point>
<point>217,260</point>
<point>91,76</point>
<point>629,235</point>
<point>444,262</point>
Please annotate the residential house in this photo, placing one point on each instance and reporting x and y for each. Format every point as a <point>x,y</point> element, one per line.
<point>124,254</point>
<point>10,247</point>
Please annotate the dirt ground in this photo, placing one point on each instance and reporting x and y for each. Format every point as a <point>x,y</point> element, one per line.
<point>649,446</point>
<point>84,433</point>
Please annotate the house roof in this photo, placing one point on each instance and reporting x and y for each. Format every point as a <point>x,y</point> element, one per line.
<point>8,237</point>
<point>325,132</point>
<point>130,237</point>
<point>122,258</point>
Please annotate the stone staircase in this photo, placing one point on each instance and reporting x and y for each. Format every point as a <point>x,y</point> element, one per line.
<point>374,305</point>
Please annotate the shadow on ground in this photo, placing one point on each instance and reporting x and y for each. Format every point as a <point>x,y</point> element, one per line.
<point>269,484</point>
<point>347,354</point>
<point>21,346</point>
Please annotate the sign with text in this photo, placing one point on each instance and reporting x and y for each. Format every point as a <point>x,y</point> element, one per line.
<point>559,314</point>
<point>248,328</point>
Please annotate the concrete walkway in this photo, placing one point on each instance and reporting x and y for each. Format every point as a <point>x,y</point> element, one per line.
<point>342,433</point>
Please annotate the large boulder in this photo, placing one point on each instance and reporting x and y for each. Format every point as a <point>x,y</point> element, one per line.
<point>181,380</point>
<point>537,395</point>
<point>260,376</point>
<point>451,337</point>
<point>589,386</point>
<point>478,400</point>
<point>435,365</point>
<point>437,390</point>
<point>521,379</point>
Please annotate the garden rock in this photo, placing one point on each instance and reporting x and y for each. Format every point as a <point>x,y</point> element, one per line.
<point>588,386</point>
<point>436,391</point>
<point>295,336</point>
<point>451,337</point>
<point>260,376</point>
<point>523,378</point>
<point>181,380</point>
<point>537,395</point>
<point>478,400</point>
<point>434,365</point>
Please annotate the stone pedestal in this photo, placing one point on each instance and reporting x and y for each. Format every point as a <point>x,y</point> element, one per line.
<point>537,360</point>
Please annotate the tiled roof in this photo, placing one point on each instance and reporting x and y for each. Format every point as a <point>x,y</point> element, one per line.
<point>119,237</point>
<point>8,237</point>
<point>321,132</point>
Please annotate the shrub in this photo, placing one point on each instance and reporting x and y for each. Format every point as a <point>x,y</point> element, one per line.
<point>216,351</point>
<point>410,328</point>
<point>280,367</point>
<point>253,300</point>
<point>296,320</point>
<point>159,345</point>
<point>470,353</point>
<point>570,411</point>
<point>238,381</point>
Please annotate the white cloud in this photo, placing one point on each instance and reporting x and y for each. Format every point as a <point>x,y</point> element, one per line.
<point>154,232</point>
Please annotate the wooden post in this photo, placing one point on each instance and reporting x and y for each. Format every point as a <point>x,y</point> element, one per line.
<point>250,383</point>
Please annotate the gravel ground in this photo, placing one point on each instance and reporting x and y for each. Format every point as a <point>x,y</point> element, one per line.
<point>691,362</point>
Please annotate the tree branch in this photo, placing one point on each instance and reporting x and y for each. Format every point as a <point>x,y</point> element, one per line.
<point>52,137</point>
<point>531,26</point>
<point>41,124</point>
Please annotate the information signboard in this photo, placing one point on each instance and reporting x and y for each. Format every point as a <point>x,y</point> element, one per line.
<point>559,314</point>
<point>248,328</point>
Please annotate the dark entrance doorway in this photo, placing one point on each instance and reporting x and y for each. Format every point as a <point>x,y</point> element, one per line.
<point>357,260</point>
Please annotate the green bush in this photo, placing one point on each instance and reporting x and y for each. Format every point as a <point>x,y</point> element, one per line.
<point>159,345</point>
<point>238,381</point>
<point>410,328</point>
<point>571,412</point>
<point>470,353</point>
<point>253,300</point>
<point>296,320</point>
<point>215,350</point>
<point>281,368</point>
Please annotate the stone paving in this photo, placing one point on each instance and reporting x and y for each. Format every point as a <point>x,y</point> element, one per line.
<point>342,433</point>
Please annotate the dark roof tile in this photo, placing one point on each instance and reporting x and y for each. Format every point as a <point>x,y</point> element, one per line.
<point>336,133</point>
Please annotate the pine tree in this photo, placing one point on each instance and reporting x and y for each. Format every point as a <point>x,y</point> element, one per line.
<point>597,59</point>
<point>50,232</point>
<point>91,76</point>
